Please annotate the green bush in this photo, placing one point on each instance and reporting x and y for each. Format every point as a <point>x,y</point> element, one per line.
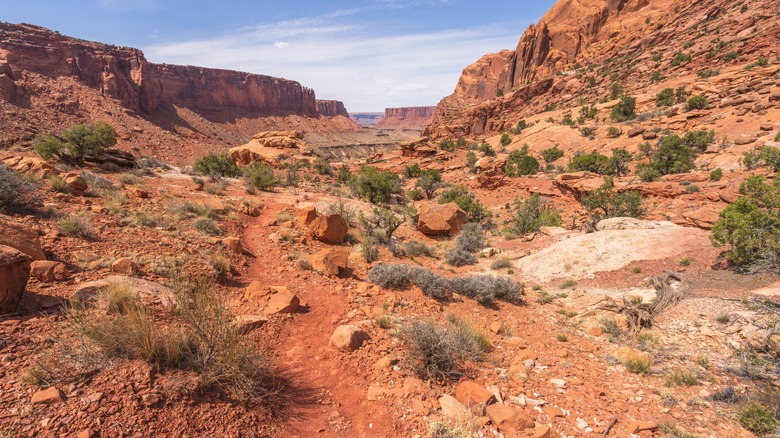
<point>429,182</point>
<point>344,175</point>
<point>699,139</point>
<point>758,418</point>
<point>471,238</point>
<point>260,176</point>
<point>412,171</point>
<point>505,139</point>
<point>716,174</point>
<point>665,97</point>
<point>671,155</point>
<point>77,142</point>
<point>519,163</point>
<point>751,226</point>
<point>681,58</point>
<point>697,102</point>
<point>531,214</point>
<point>78,225</point>
<point>605,202</point>
<point>618,162</point>
<point>589,132</point>
<point>730,56</point>
<point>486,149</point>
<point>322,166</point>
<point>447,144</point>
<point>624,110</point>
<point>217,166</point>
<point>614,132</point>
<point>471,161</point>
<point>375,185</point>
<point>552,154</point>
<point>466,201</point>
<point>768,156</point>
<point>593,162</point>
<point>588,112</point>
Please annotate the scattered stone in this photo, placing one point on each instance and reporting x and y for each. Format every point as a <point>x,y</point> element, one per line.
<point>331,262</point>
<point>234,244</point>
<point>48,271</point>
<point>123,265</point>
<point>474,396</point>
<point>151,398</point>
<point>20,237</point>
<point>507,418</point>
<point>283,301</point>
<point>48,396</point>
<point>348,338</point>
<point>453,409</point>
<point>247,323</point>
<point>497,327</point>
<point>306,216</point>
<point>436,220</point>
<point>642,426</point>
<point>329,228</point>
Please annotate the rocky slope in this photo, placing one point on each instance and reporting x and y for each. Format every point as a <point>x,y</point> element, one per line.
<point>565,58</point>
<point>185,105</point>
<point>412,118</point>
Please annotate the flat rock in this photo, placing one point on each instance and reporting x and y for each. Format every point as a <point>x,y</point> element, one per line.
<point>331,261</point>
<point>283,301</point>
<point>21,237</point>
<point>48,271</point>
<point>453,409</point>
<point>348,337</point>
<point>48,396</point>
<point>507,418</point>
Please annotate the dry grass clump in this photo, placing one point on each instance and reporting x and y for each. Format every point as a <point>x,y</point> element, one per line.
<point>201,337</point>
<point>447,429</point>
<point>16,193</point>
<point>78,225</point>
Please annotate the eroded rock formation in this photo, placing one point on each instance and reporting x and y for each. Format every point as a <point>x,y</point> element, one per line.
<point>332,108</point>
<point>414,118</point>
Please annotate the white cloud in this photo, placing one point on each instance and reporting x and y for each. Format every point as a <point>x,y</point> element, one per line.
<point>348,62</point>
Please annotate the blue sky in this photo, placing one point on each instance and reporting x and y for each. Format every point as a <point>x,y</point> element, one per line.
<point>371,54</point>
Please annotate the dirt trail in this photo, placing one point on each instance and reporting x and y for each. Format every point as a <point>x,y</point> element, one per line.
<point>336,404</point>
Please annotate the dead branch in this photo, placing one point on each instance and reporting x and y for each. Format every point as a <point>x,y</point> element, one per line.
<point>670,289</point>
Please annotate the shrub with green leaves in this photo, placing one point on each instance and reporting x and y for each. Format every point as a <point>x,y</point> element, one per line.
<point>697,102</point>
<point>375,185</point>
<point>751,226</point>
<point>344,175</point>
<point>429,182</point>
<point>531,214</point>
<point>322,166</point>
<point>217,166</point>
<point>505,139</point>
<point>699,139</point>
<point>593,162</point>
<point>605,202</point>
<point>665,97</point>
<point>77,142</point>
<point>519,163</point>
<point>767,156</point>
<point>412,171</point>
<point>16,193</point>
<point>486,149</point>
<point>447,144</point>
<point>466,201</point>
<point>681,58</point>
<point>614,132</point>
<point>716,174</point>
<point>260,176</point>
<point>671,155</point>
<point>552,154</point>
<point>624,110</point>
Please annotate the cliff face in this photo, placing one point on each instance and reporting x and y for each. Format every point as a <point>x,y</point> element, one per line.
<point>412,118</point>
<point>569,32</point>
<point>125,74</point>
<point>332,108</point>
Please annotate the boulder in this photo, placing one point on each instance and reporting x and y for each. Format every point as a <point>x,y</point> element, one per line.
<point>21,237</point>
<point>453,409</point>
<point>247,323</point>
<point>507,418</point>
<point>48,396</point>
<point>123,265</point>
<point>88,291</point>
<point>636,130</point>
<point>47,271</point>
<point>329,228</point>
<point>348,337</point>
<point>14,272</point>
<point>76,183</point>
<point>283,301</point>
<point>436,220</point>
<point>306,215</point>
<point>474,396</point>
<point>331,262</point>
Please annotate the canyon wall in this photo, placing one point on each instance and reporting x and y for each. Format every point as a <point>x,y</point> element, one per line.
<point>332,108</point>
<point>412,118</point>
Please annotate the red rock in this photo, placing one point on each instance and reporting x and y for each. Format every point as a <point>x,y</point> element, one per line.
<point>542,431</point>
<point>76,183</point>
<point>331,261</point>
<point>21,237</point>
<point>472,394</point>
<point>435,220</point>
<point>332,108</point>
<point>507,418</point>
<point>48,396</point>
<point>47,271</point>
<point>247,323</point>
<point>415,118</point>
<point>452,408</point>
<point>306,215</point>
<point>123,265</point>
<point>642,426</point>
<point>283,301</point>
<point>348,338</point>
<point>14,272</point>
<point>329,228</point>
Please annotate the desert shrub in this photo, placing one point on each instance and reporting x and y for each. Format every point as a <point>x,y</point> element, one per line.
<point>474,338</point>
<point>471,238</point>
<point>501,263</point>
<point>432,284</point>
<point>552,154</point>
<point>610,326</point>
<point>415,194</point>
<point>605,202</point>
<point>260,176</point>
<point>391,276</point>
<point>505,139</point>
<point>414,248</point>
<point>758,418</point>
<point>58,184</point>
<point>726,394</point>
<point>768,156</point>
<point>587,131</point>
<point>437,352</point>
<point>446,429</point>
<point>77,142</point>
<point>447,144</point>
<point>207,226</point>
<point>681,58</point>
<point>221,264</point>
<point>471,161</point>
<point>624,110</point>
<point>588,112</point>
<point>429,182</point>
<point>637,365</point>
<point>486,288</point>
<point>618,162</point>
<point>684,377</point>
<point>614,132</point>
<point>375,185</point>
<point>486,149</point>
<point>370,251</point>
<point>119,297</point>
<point>665,97</point>
<point>466,201</point>
<point>751,226</point>
<point>322,166</point>
<point>344,175</point>
<point>217,166</point>
<point>519,163</point>
<point>381,224</point>
<point>671,155</point>
<point>190,209</point>
<point>697,102</point>
<point>412,171</point>
<point>78,225</point>
<point>531,214</point>
<point>593,162</point>
<point>16,193</point>
<point>730,56</point>
<point>692,188</point>
<point>699,139</point>
<point>458,257</point>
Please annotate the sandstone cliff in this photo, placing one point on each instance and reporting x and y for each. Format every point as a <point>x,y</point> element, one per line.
<point>332,108</point>
<point>412,118</point>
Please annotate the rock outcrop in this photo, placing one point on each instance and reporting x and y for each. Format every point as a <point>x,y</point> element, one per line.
<point>412,118</point>
<point>437,220</point>
<point>332,108</point>
<point>14,272</point>
<point>267,146</point>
